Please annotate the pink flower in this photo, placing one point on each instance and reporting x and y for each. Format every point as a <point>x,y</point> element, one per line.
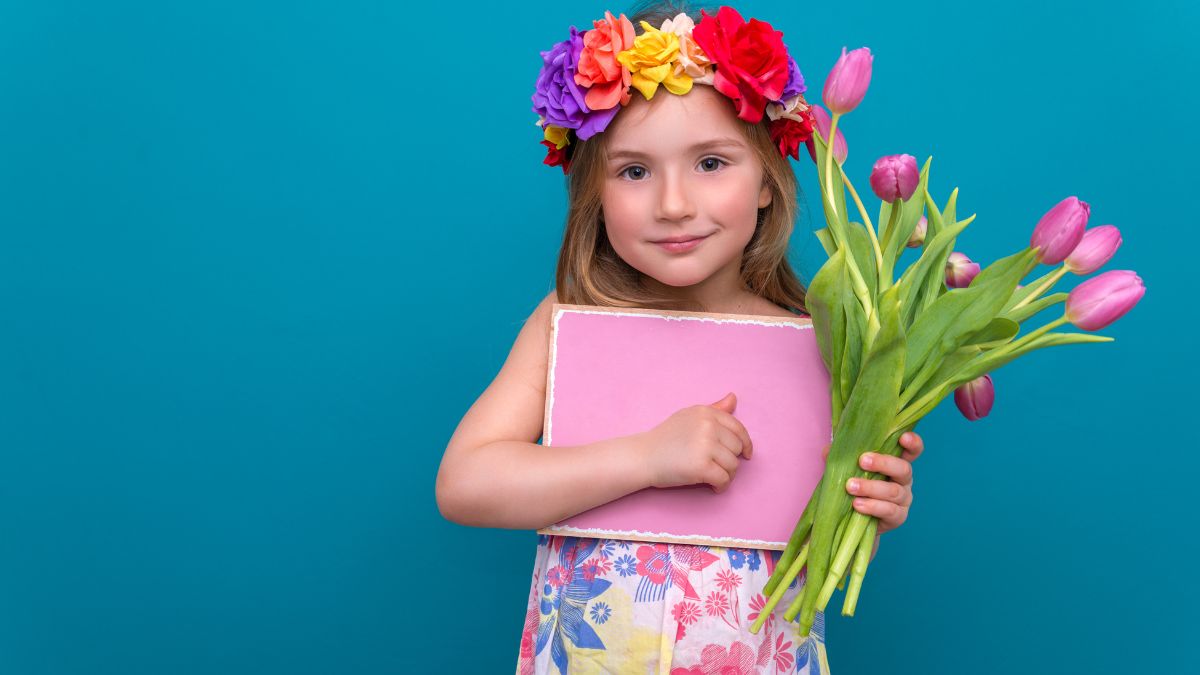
<point>1060,230</point>
<point>716,604</point>
<point>686,612</point>
<point>783,657</point>
<point>727,580</point>
<point>974,399</point>
<point>653,562</point>
<point>823,122</point>
<point>847,82</point>
<point>895,177</point>
<point>1104,298</point>
<point>917,239</point>
<point>1096,248</point>
<point>738,660</point>
<point>960,271</point>
<point>559,575</point>
<point>758,603</point>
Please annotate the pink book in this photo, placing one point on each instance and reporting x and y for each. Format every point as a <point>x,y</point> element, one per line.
<point>616,371</point>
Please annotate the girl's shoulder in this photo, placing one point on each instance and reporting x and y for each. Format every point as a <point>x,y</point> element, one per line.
<point>768,308</point>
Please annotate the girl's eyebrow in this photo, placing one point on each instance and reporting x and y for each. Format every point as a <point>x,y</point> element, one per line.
<point>723,142</point>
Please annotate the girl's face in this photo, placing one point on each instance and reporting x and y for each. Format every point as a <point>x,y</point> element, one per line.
<point>679,167</point>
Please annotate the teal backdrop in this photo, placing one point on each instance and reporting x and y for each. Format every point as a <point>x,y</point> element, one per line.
<point>257,260</point>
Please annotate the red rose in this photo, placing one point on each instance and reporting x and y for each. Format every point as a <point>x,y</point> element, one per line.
<point>556,156</point>
<point>788,134</point>
<point>751,61</point>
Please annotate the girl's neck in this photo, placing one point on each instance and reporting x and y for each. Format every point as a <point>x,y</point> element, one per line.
<point>717,295</point>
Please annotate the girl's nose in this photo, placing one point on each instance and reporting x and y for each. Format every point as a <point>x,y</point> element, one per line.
<point>674,199</point>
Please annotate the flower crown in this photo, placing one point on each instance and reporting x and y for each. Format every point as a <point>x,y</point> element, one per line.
<point>585,79</point>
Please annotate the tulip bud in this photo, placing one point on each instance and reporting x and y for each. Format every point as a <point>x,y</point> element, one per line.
<point>918,236</point>
<point>1060,230</point>
<point>895,177</point>
<point>847,82</point>
<point>960,271</point>
<point>1096,248</point>
<point>974,399</point>
<point>823,122</point>
<point>1104,298</point>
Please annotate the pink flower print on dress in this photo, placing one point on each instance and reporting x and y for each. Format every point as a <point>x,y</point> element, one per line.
<point>783,655</point>
<point>653,562</point>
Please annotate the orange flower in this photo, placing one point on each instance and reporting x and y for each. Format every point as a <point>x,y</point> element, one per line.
<point>607,80</point>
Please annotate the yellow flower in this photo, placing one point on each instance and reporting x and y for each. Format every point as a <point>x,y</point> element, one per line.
<point>556,135</point>
<point>651,61</point>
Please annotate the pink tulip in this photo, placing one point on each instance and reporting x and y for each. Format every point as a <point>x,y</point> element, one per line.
<point>1104,298</point>
<point>847,82</point>
<point>960,271</point>
<point>974,399</point>
<point>823,122</point>
<point>1060,230</point>
<point>1096,248</point>
<point>918,236</point>
<point>895,177</point>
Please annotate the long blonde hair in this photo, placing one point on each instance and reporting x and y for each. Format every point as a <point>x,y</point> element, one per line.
<point>591,273</point>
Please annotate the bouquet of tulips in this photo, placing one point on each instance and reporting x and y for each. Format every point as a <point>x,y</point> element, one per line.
<point>895,348</point>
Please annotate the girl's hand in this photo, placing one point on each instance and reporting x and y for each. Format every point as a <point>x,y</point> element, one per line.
<point>887,500</point>
<point>698,444</point>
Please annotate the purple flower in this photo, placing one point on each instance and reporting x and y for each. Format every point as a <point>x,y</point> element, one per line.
<point>974,399</point>
<point>795,84</point>
<point>558,99</point>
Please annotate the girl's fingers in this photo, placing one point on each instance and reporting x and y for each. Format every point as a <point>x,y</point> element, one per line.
<point>726,459</point>
<point>879,489</point>
<point>913,445</point>
<point>890,515</point>
<point>899,470</point>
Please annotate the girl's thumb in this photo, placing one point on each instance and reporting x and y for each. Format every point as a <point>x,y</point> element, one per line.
<point>727,403</point>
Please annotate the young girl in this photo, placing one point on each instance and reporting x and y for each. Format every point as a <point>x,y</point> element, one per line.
<point>680,197</point>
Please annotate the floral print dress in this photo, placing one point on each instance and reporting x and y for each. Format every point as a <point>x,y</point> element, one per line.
<point>613,606</point>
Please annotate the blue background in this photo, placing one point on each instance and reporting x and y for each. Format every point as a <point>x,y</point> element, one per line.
<point>257,259</point>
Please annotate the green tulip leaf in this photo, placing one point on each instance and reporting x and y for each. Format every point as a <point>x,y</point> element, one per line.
<point>961,312</point>
<point>1034,307</point>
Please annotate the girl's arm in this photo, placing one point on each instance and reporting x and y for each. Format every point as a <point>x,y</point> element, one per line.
<point>495,474</point>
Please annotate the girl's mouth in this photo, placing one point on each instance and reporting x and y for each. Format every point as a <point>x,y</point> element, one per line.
<point>680,246</point>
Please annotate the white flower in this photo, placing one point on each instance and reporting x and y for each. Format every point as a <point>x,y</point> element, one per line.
<point>691,59</point>
<point>791,108</point>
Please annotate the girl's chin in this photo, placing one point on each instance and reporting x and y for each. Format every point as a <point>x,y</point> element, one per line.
<point>676,278</point>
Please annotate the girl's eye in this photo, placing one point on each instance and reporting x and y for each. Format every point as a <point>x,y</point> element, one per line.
<point>628,172</point>
<point>713,162</point>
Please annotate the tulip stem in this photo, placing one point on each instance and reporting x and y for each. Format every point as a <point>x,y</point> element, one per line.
<point>856,278</point>
<point>862,558</point>
<point>1045,285</point>
<point>777,595</point>
<point>879,281</point>
<point>829,162</point>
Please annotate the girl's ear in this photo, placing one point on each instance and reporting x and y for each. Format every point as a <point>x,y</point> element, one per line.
<point>764,196</point>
